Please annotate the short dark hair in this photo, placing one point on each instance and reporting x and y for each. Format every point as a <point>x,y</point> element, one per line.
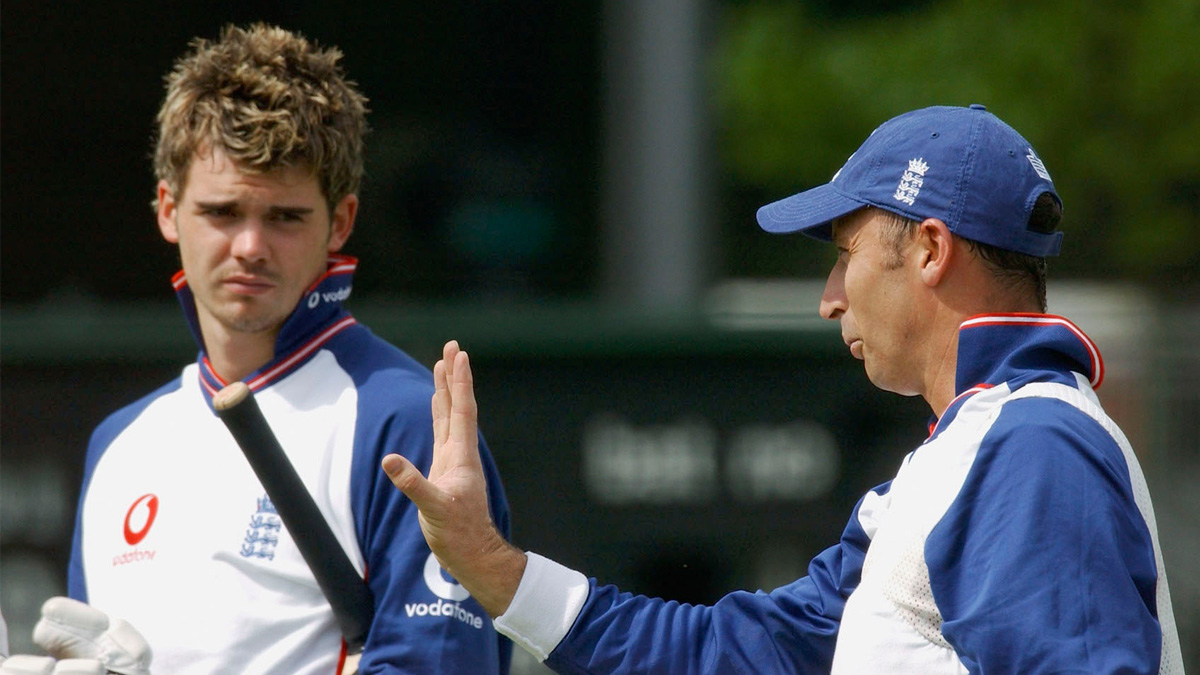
<point>1018,271</point>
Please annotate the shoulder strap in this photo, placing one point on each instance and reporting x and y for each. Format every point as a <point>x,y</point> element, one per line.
<point>345,590</point>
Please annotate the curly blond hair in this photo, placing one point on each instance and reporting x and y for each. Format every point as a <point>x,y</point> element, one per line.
<point>269,99</point>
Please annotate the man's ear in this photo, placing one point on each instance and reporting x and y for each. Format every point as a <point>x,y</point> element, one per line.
<point>342,222</point>
<point>935,247</point>
<point>167,223</point>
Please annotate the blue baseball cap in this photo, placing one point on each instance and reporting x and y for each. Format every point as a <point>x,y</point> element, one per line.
<point>963,166</point>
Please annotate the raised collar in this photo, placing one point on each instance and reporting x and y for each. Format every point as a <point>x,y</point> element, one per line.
<point>1015,349</point>
<point>996,348</point>
<point>317,317</point>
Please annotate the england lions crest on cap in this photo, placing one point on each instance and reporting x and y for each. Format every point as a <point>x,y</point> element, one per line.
<point>911,181</point>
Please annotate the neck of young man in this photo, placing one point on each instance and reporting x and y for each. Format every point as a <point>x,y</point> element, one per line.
<point>235,354</point>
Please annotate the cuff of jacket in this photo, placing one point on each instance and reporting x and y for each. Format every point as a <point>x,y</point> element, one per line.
<point>548,600</point>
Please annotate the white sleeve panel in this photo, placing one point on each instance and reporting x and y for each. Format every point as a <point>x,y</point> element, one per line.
<point>547,602</point>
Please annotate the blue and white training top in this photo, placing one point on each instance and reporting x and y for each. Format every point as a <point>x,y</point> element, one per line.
<point>1019,538</point>
<point>175,534</point>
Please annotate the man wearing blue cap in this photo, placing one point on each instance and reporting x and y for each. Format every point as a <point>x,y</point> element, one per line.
<point>1018,538</point>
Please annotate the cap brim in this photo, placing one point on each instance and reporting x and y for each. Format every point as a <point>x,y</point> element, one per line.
<point>809,212</point>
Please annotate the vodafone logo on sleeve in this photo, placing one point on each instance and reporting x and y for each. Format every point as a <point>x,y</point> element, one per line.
<point>442,587</point>
<point>138,521</point>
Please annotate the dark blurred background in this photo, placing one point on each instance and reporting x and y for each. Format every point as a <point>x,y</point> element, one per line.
<point>569,188</point>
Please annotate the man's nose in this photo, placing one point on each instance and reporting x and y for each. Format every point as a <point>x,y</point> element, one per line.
<point>249,242</point>
<point>833,300</point>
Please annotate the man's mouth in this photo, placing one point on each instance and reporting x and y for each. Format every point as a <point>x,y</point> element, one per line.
<point>248,284</point>
<point>856,349</point>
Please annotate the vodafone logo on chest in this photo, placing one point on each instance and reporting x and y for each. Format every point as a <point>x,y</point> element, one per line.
<point>138,520</point>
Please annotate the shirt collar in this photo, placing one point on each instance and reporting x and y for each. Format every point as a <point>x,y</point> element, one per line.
<point>1015,349</point>
<point>996,348</point>
<point>317,317</point>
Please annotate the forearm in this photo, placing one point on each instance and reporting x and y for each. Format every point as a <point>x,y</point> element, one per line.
<point>576,626</point>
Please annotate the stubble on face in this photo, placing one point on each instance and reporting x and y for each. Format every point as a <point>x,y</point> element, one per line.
<point>877,319</point>
<point>240,316</point>
<point>251,244</point>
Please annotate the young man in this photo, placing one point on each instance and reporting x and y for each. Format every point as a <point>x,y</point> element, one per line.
<point>259,157</point>
<point>1019,538</point>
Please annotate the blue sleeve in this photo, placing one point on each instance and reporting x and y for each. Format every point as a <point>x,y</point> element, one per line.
<point>791,629</point>
<point>1044,564</point>
<point>422,624</point>
<point>76,580</point>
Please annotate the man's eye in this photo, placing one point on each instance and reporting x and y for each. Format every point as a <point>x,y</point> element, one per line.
<point>218,211</point>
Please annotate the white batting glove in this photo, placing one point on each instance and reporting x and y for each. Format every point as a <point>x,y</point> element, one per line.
<point>25,664</point>
<point>72,630</point>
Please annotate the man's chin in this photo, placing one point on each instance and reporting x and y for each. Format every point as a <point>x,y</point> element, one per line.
<point>253,326</point>
<point>883,383</point>
<point>878,379</point>
<point>252,323</point>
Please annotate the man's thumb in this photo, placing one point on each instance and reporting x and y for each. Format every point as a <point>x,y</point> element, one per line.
<point>408,478</point>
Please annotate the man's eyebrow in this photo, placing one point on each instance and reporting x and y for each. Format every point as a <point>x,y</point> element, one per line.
<point>290,210</point>
<point>217,205</point>
<point>274,210</point>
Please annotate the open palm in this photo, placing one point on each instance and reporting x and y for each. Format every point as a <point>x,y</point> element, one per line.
<point>452,501</point>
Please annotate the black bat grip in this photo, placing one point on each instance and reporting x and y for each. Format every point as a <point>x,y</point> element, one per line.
<point>346,591</point>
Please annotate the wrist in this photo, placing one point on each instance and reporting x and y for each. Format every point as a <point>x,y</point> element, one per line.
<point>494,574</point>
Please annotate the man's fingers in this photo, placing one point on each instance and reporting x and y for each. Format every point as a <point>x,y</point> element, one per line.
<point>443,371</point>
<point>449,351</point>
<point>464,412</point>
<point>455,436</point>
<point>410,481</point>
<point>441,404</point>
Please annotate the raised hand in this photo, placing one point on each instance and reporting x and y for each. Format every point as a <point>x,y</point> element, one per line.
<point>453,499</point>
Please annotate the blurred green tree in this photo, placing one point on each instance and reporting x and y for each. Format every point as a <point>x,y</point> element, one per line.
<point>1108,92</point>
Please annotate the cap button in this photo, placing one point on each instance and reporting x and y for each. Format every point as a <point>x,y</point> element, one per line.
<point>978,106</point>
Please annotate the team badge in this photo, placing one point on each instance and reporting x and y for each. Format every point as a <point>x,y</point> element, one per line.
<point>262,535</point>
<point>911,181</point>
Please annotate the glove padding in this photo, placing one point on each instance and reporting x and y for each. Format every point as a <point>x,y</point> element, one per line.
<point>27,664</point>
<point>70,629</point>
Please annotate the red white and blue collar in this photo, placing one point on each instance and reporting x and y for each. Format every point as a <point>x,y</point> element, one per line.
<point>317,318</point>
<point>1016,349</point>
<point>1025,344</point>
